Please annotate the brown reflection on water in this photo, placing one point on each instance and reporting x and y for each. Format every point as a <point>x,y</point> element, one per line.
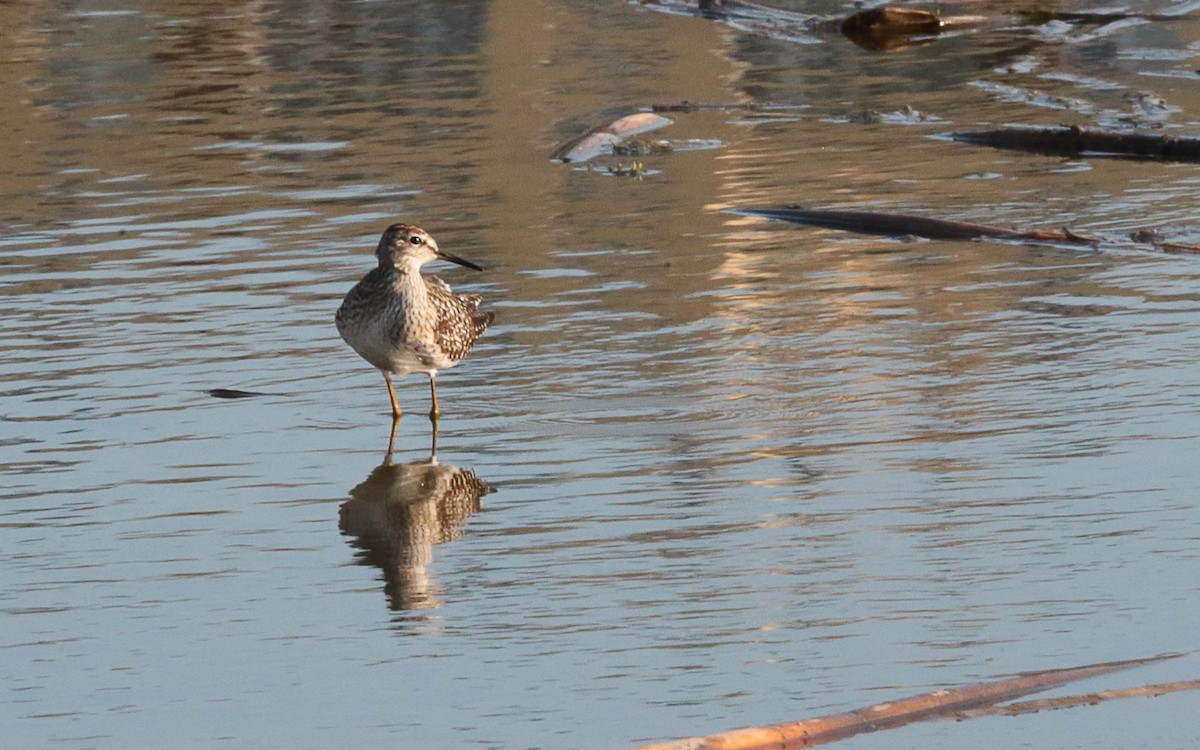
<point>399,513</point>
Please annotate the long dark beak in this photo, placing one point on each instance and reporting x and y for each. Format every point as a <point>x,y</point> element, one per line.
<point>458,260</point>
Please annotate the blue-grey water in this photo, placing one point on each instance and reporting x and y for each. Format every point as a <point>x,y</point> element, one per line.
<point>704,472</point>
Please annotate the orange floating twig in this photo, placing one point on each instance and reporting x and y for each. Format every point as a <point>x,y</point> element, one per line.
<point>820,730</point>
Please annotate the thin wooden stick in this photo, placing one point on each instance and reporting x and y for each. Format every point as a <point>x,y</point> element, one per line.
<point>1070,701</point>
<point>874,222</point>
<point>1072,140</point>
<point>820,730</point>
<point>900,225</point>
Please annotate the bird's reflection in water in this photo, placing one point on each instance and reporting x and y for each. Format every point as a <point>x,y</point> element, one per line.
<point>399,512</point>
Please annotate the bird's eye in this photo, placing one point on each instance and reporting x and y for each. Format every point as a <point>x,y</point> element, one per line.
<point>415,240</point>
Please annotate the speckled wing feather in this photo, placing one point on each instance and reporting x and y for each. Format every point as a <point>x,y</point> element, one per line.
<point>459,323</point>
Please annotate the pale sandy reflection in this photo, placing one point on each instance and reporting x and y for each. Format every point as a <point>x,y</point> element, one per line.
<point>399,513</point>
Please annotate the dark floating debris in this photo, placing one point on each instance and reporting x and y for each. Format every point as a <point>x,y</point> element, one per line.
<point>1042,17</point>
<point>888,20</point>
<point>638,147</point>
<point>872,222</point>
<point>234,393</point>
<point>889,29</point>
<point>906,115</point>
<point>1072,140</point>
<point>907,225</point>
<point>686,106</point>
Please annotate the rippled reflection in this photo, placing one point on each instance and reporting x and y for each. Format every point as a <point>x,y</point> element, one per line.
<point>399,513</point>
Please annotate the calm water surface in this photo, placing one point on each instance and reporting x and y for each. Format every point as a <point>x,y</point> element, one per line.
<point>705,471</point>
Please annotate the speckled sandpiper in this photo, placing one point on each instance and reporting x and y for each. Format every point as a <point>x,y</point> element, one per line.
<point>401,321</point>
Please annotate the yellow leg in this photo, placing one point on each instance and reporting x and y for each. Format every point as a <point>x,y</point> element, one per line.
<point>387,378</point>
<point>392,438</point>
<point>434,412</point>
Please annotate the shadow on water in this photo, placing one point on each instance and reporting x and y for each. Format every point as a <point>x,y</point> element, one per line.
<point>400,512</point>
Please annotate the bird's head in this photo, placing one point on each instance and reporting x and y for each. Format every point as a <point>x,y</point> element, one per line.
<point>405,245</point>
